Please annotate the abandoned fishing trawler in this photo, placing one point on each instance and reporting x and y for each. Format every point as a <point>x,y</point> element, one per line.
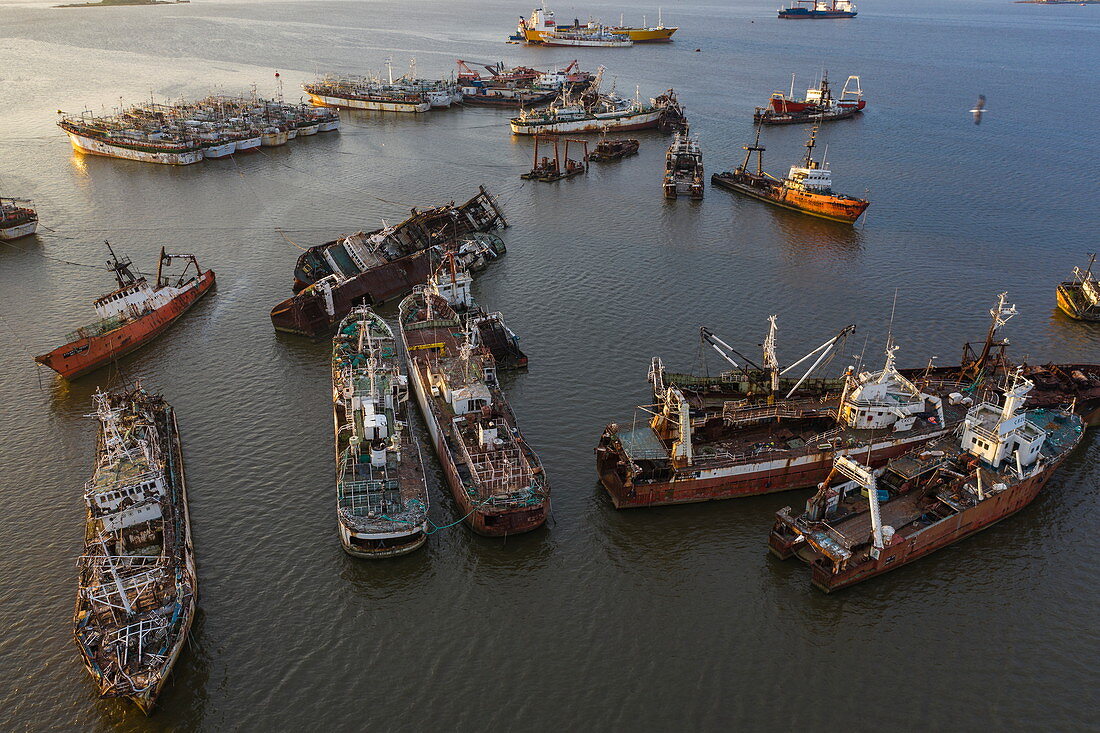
<point>807,188</point>
<point>1080,297</point>
<point>138,588</point>
<point>496,479</point>
<point>381,491</point>
<point>371,268</point>
<point>935,495</point>
<point>818,106</point>
<point>684,166</point>
<point>744,448</point>
<point>17,218</point>
<point>130,316</point>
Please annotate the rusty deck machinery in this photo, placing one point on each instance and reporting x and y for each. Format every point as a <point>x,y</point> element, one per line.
<point>548,169</point>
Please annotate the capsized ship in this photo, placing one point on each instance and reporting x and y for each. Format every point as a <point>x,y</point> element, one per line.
<point>17,218</point>
<point>930,497</point>
<point>381,491</point>
<point>130,316</point>
<point>1080,297</point>
<point>541,23</point>
<point>331,278</point>
<point>496,478</point>
<point>138,589</point>
<point>745,448</point>
<point>808,188</point>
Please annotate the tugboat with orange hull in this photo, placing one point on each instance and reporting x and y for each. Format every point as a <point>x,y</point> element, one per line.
<point>130,316</point>
<point>931,497</point>
<point>807,188</point>
<point>496,479</point>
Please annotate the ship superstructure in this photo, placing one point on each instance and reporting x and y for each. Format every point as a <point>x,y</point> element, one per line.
<point>138,589</point>
<point>130,316</point>
<point>808,188</point>
<point>991,467</point>
<point>381,491</point>
<point>496,478</point>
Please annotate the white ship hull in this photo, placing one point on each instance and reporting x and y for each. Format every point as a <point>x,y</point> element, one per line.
<point>219,151</point>
<point>98,147</point>
<point>21,230</point>
<point>292,133</point>
<point>328,126</point>
<point>251,143</point>
<point>369,104</point>
<point>635,121</point>
<point>550,40</point>
<point>273,139</point>
<point>309,130</point>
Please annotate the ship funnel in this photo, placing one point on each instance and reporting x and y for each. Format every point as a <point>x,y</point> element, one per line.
<point>378,454</point>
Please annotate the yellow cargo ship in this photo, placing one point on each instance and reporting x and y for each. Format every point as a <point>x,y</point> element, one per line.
<point>531,30</point>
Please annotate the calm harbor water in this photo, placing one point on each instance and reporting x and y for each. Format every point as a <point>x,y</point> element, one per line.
<point>658,619</point>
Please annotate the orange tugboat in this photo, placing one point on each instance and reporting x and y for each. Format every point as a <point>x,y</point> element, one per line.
<point>807,188</point>
<point>129,316</point>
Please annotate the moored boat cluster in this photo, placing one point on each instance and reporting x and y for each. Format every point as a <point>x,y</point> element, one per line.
<point>902,461</point>
<point>184,133</point>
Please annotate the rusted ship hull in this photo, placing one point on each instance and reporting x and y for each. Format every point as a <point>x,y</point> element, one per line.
<point>314,311</point>
<point>85,355</point>
<point>1073,303</point>
<point>766,477</point>
<point>903,551</point>
<point>187,577</point>
<point>844,210</point>
<point>484,520</point>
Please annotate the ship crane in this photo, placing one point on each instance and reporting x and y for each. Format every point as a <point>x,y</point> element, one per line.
<point>771,362</point>
<point>865,478</point>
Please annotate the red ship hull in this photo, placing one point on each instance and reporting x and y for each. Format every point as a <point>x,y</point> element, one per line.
<point>791,105</point>
<point>85,355</point>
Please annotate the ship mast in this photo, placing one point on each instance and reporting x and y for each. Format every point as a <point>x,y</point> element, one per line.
<point>1000,313</point>
<point>771,363</point>
<point>759,150</point>
<point>810,148</point>
<point>121,268</point>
